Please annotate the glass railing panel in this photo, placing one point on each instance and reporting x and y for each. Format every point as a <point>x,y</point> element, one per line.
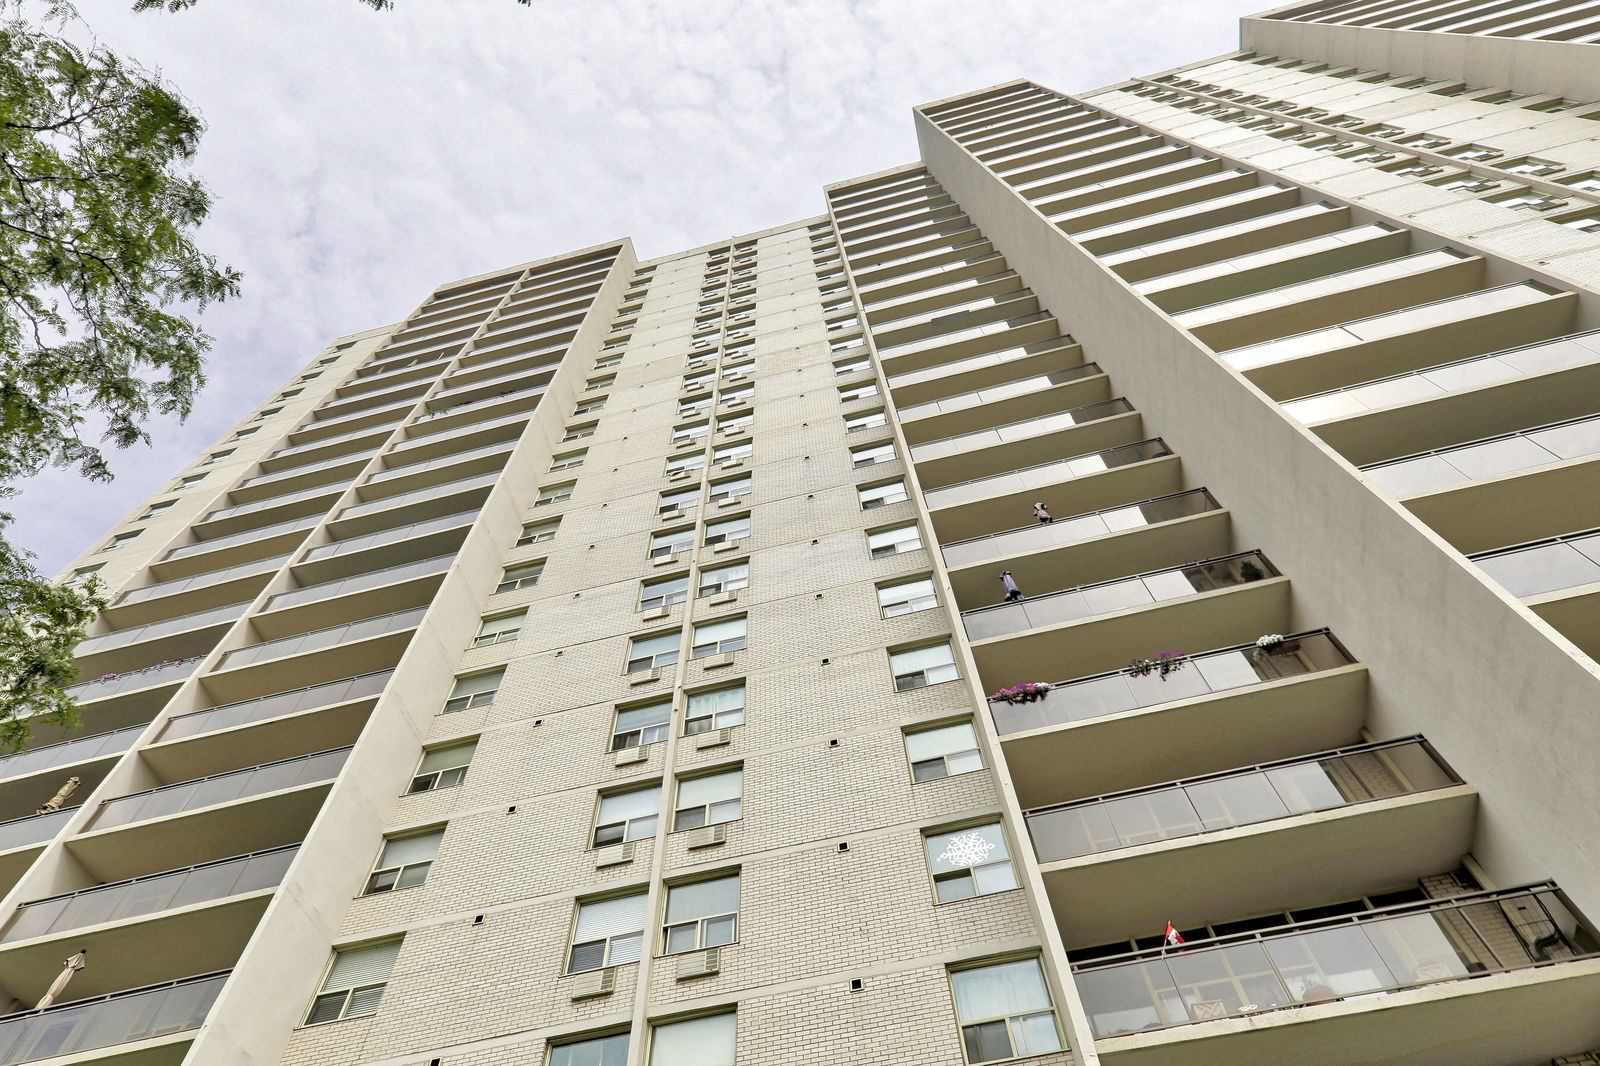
<point>1505,454</point>
<point>148,895</point>
<point>998,357</point>
<point>1081,699</point>
<point>519,394</point>
<point>871,300</point>
<point>1080,527</point>
<point>33,828</point>
<point>1451,377</point>
<point>389,474</point>
<point>166,627</point>
<point>164,673</point>
<point>513,378</point>
<point>349,458</point>
<point>1014,431</point>
<point>955,336</point>
<point>976,303</point>
<point>1142,590</point>
<point>116,1019</point>
<point>1043,474</point>
<point>201,547</point>
<point>1239,797</point>
<point>1545,566</point>
<point>210,577</point>
<point>928,292</point>
<point>356,582</point>
<point>222,788</point>
<point>1009,390</point>
<point>68,752</point>
<point>276,705</point>
<point>416,496</point>
<point>379,416</point>
<point>339,406</point>
<point>328,442</point>
<point>420,437</point>
<point>391,536</point>
<point>1318,962</point>
<point>324,638</point>
<point>275,501</point>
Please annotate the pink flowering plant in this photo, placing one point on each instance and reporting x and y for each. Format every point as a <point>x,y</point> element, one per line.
<point>1026,692</point>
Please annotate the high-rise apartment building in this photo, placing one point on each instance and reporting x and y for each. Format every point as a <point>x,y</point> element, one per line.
<point>1123,588</point>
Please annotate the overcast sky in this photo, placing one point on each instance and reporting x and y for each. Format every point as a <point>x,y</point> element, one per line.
<point>361,158</point>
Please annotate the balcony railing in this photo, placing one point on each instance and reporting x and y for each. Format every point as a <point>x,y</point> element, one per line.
<point>421,435</point>
<point>120,1018</point>
<point>220,788</point>
<point>1041,475</point>
<point>1141,590</point>
<point>166,673</point>
<point>358,582</point>
<point>273,502</point>
<point>325,442</point>
<point>1007,390</point>
<point>152,893</point>
<point>1384,950</point>
<point>391,536</point>
<point>355,457</point>
<point>384,503</point>
<point>254,568</point>
<point>201,547</point>
<point>390,473</point>
<point>69,752</point>
<point>1200,805</point>
<point>1222,670</point>
<point>504,397</point>
<point>1039,537</point>
<point>33,828</point>
<point>1017,431</point>
<point>330,637</point>
<point>119,638</point>
<point>1502,454</point>
<point>276,705</point>
<point>1541,566</point>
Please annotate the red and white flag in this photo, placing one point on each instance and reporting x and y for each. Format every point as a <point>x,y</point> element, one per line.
<point>1172,937</point>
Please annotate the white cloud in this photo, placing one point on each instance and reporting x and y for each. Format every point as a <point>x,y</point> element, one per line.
<point>360,158</point>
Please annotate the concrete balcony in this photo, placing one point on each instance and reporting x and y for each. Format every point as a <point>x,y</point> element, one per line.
<point>1105,177</point>
<point>1086,153</point>
<point>137,1027</point>
<point>385,548</point>
<point>1334,825</point>
<point>422,443</point>
<point>393,480</point>
<point>1120,729</point>
<point>201,556</point>
<point>1188,219</point>
<point>21,840</point>
<point>363,595</point>
<point>175,638</point>
<point>339,468</point>
<point>960,319</point>
<point>943,294</point>
<point>1226,238</point>
<point>372,418</point>
<point>274,510</point>
<point>1183,190</point>
<point>17,770</point>
<point>456,416</point>
<point>364,646</point>
<point>1559,580</point>
<point>955,344</point>
<point>1162,167</point>
<point>360,440</point>
<point>352,405</point>
<point>1038,350</point>
<point>430,501</point>
<point>168,600</point>
<point>1478,980</point>
<point>1084,483</point>
<point>1021,397</point>
<point>967,456</point>
<point>949,268</point>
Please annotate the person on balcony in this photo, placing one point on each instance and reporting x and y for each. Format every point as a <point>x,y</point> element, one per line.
<point>1042,513</point>
<point>1013,594</point>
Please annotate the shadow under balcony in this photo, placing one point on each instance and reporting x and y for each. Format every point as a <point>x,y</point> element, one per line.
<point>319,656</point>
<point>151,1026</point>
<point>182,637</point>
<point>1128,728</point>
<point>1093,427</point>
<point>348,599</point>
<point>1482,979</point>
<point>1018,398</point>
<point>1558,578</point>
<point>1040,350</point>
<point>1337,824</point>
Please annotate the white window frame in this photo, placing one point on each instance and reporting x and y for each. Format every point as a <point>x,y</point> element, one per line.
<point>900,546</point>
<point>651,601</point>
<point>655,660</point>
<point>641,736</point>
<point>734,641</point>
<point>450,776</point>
<point>712,811</point>
<point>520,576</point>
<point>922,601</point>
<point>399,871</point>
<point>935,673</point>
<point>937,764</point>
<point>710,930</point>
<point>699,720</point>
<point>630,823</point>
<point>490,634</point>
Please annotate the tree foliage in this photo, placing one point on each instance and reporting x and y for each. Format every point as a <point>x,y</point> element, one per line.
<point>97,271</point>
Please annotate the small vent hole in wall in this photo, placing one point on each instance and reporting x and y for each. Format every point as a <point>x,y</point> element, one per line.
<point>856,985</point>
<point>511,810</point>
<point>844,845</point>
<point>477,919</point>
<point>834,743</point>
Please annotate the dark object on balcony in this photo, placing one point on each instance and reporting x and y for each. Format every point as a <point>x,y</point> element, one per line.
<point>1013,593</point>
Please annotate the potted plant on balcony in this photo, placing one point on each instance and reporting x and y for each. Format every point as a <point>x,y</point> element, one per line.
<point>1167,662</point>
<point>1276,643</point>
<point>1026,692</point>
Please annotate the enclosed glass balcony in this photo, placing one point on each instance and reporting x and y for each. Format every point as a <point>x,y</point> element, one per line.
<point>1042,475</point>
<point>1222,670</point>
<point>1079,527</point>
<point>1200,805</point>
<point>166,673</point>
<point>1362,954</point>
<point>69,752</point>
<point>324,638</point>
<point>1141,590</point>
<point>220,788</point>
<point>276,705</point>
<point>391,536</point>
<point>120,1018</point>
<point>1503,454</point>
<point>33,828</point>
<point>184,623</point>
<point>164,891</point>
<point>1545,565</point>
<point>359,582</point>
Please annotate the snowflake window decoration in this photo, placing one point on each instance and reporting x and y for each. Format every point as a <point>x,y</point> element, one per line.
<point>966,849</point>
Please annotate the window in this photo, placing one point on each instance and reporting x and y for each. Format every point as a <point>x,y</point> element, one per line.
<point>654,595</point>
<point>692,431</point>
<point>474,690</point>
<point>714,638</point>
<point>499,629</point>
<point>598,1051</point>
<point>735,423</point>
<point>609,361</point>
<point>694,461</point>
<point>678,500</point>
<point>521,576</point>
<point>701,380</point>
<point>161,508</point>
<point>732,453</point>
<point>851,393</point>
<point>639,726</point>
<point>652,653</point>
<point>921,667</point>
<point>243,433</point>
<point>701,914</point>
<point>730,489</point>
<point>717,709</point>
<point>851,366</point>
<point>605,381</point>
<point>729,529</point>
<point>696,1042</point>
<point>970,862</point>
<point>83,575</point>
<point>694,406</point>
<point>266,414</point>
<point>538,532</point>
<point>443,767</point>
<point>609,932</point>
<point>578,432</point>
<point>738,370</point>
<point>191,481</point>
<point>869,420</point>
<point>671,542</point>
<point>404,861</point>
<point>722,579</point>
<point>555,494</point>
<point>589,407</point>
<point>627,816</point>
<point>355,982</point>
<point>289,394</point>
<point>907,597</point>
<point>946,751</point>
<point>896,541</point>
<point>739,395</point>
<point>217,457</point>
<point>567,461</point>
<point>709,800</point>
<point>121,540</point>
<point>882,494</point>
<point>871,454</point>
<point>1005,1011</point>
